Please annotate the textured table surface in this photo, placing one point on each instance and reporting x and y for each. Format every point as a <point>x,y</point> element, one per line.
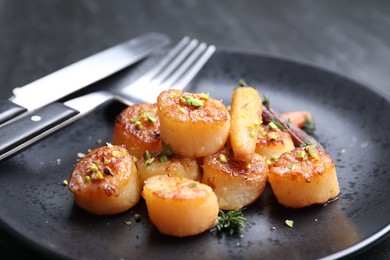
<point>348,37</point>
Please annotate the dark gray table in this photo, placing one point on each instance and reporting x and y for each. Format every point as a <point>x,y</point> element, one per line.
<point>348,37</point>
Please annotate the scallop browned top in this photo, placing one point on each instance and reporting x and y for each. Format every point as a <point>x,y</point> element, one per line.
<point>193,107</point>
<point>141,121</point>
<point>225,162</point>
<point>270,136</point>
<point>176,188</point>
<point>105,168</point>
<point>305,162</point>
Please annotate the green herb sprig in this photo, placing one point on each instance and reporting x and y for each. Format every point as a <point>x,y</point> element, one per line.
<point>231,221</point>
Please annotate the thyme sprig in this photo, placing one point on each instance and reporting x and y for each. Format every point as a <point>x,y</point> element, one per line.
<point>231,221</point>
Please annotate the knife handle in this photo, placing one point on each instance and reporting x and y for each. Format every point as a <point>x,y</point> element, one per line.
<point>9,110</point>
<point>22,130</point>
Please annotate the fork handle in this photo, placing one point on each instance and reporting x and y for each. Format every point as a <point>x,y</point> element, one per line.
<point>20,131</point>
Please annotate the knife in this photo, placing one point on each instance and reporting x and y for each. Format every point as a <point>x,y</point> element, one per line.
<point>79,75</point>
<point>27,130</point>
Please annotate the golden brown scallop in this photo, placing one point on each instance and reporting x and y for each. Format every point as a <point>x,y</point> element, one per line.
<point>138,127</point>
<point>106,181</point>
<point>236,183</point>
<point>180,206</point>
<point>303,177</point>
<point>272,142</point>
<point>165,163</point>
<point>194,125</point>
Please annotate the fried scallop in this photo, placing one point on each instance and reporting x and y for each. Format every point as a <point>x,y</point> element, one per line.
<point>194,125</point>
<point>236,183</point>
<point>152,164</point>
<point>106,181</point>
<point>303,177</point>
<point>272,142</point>
<point>180,206</point>
<point>138,128</point>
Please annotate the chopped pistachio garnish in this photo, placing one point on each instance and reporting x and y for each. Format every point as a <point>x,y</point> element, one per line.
<point>302,154</point>
<point>268,161</point>
<point>274,158</point>
<point>262,131</point>
<point>152,119</point>
<point>99,175</point>
<point>289,223</point>
<point>93,167</point>
<point>194,102</point>
<point>292,167</point>
<point>182,110</point>
<point>248,166</point>
<point>138,124</point>
<point>137,217</point>
<point>87,178</point>
<point>272,125</point>
<point>222,158</point>
<point>190,100</point>
<point>204,96</point>
<point>277,124</point>
<point>192,184</point>
<point>115,153</point>
<point>243,115</point>
<point>273,136</point>
<point>257,122</point>
<point>106,161</point>
<point>252,133</point>
<point>313,152</point>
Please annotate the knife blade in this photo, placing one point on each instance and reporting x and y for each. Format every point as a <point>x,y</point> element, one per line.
<point>79,75</point>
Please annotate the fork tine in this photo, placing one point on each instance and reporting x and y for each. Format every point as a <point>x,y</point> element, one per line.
<point>175,70</point>
<point>175,63</point>
<point>182,82</point>
<point>169,82</point>
<point>167,58</point>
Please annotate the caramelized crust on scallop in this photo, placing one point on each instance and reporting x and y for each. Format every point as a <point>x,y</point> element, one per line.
<point>138,127</point>
<point>106,181</point>
<point>271,143</point>
<point>303,177</point>
<point>180,206</point>
<point>194,125</point>
<point>236,183</point>
<point>173,166</point>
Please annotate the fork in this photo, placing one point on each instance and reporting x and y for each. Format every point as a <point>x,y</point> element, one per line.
<point>175,70</point>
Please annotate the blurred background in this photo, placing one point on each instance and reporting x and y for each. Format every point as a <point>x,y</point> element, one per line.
<point>350,38</point>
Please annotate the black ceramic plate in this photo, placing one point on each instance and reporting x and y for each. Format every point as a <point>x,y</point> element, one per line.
<point>352,123</point>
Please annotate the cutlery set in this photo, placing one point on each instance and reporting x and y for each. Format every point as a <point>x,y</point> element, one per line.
<point>25,120</point>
